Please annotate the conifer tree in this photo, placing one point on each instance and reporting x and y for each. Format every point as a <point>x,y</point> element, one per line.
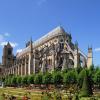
<point>86,90</point>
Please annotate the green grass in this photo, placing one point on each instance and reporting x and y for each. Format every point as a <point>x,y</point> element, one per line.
<point>34,94</point>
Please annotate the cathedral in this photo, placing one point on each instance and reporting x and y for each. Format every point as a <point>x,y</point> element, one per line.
<point>53,51</point>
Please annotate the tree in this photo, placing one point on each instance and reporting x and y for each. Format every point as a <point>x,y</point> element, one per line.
<point>86,89</point>
<point>78,69</point>
<point>24,80</point>
<point>81,78</point>
<point>70,77</point>
<point>38,79</point>
<point>97,78</point>
<point>19,79</point>
<point>14,81</point>
<point>31,79</point>
<point>47,79</point>
<point>6,81</point>
<point>9,81</point>
<point>57,78</point>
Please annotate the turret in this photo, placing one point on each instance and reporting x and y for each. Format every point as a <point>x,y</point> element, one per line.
<point>76,56</point>
<point>7,58</point>
<point>90,57</point>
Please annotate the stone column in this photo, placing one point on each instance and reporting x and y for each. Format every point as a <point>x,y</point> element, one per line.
<point>30,64</point>
<point>17,69</point>
<point>76,59</point>
<point>34,64</point>
<point>53,61</point>
<point>14,71</point>
<point>25,66</point>
<point>21,69</point>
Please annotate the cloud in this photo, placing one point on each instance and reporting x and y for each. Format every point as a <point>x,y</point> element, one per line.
<point>97,49</point>
<point>1,38</point>
<point>13,44</point>
<point>19,50</point>
<point>6,34</point>
<point>40,2</point>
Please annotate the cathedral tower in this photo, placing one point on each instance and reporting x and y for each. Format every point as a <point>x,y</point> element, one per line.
<point>90,58</point>
<point>7,58</point>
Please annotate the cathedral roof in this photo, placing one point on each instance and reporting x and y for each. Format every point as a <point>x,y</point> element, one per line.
<point>55,32</point>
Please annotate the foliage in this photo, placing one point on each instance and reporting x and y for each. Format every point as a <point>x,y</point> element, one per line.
<point>81,78</point>
<point>14,81</point>
<point>57,78</point>
<point>70,77</point>
<point>76,97</point>
<point>24,80</point>
<point>86,90</point>
<point>31,79</point>
<point>38,78</point>
<point>97,78</point>
<point>19,78</point>
<point>47,78</point>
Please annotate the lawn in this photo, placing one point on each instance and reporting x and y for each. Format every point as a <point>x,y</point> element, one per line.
<point>35,94</point>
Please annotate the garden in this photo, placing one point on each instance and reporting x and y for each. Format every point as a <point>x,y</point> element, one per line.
<point>69,84</point>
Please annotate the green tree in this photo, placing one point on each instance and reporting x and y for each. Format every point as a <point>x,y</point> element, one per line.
<point>14,81</point>
<point>57,78</point>
<point>31,79</point>
<point>81,78</point>
<point>97,78</point>
<point>47,79</point>
<point>24,80</point>
<point>9,81</point>
<point>70,77</point>
<point>38,79</point>
<point>86,89</point>
<point>19,79</point>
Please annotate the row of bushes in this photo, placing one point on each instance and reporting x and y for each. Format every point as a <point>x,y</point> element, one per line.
<point>66,77</point>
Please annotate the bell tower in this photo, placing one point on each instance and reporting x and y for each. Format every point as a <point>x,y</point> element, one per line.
<point>90,57</point>
<point>7,58</point>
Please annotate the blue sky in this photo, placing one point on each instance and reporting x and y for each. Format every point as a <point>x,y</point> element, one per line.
<point>21,19</point>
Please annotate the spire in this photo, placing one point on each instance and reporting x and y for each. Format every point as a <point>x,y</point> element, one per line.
<point>76,45</point>
<point>31,44</point>
<point>9,45</point>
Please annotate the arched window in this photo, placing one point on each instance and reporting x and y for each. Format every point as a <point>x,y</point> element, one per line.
<point>61,44</point>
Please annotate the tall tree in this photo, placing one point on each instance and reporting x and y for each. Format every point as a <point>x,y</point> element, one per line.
<point>86,89</point>
<point>47,79</point>
<point>57,78</point>
<point>97,78</point>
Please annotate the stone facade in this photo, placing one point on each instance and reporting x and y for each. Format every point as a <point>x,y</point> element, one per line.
<point>53,51</point>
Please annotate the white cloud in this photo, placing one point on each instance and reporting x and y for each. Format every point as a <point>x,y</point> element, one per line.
<point>6,34</point>
<point>1,38</point>
<point>97,49</point>
<point>19,50</point>
<point>40,2</point>
<point>13,44</point>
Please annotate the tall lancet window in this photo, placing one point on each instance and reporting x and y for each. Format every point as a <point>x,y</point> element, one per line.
<point>61,44</point>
